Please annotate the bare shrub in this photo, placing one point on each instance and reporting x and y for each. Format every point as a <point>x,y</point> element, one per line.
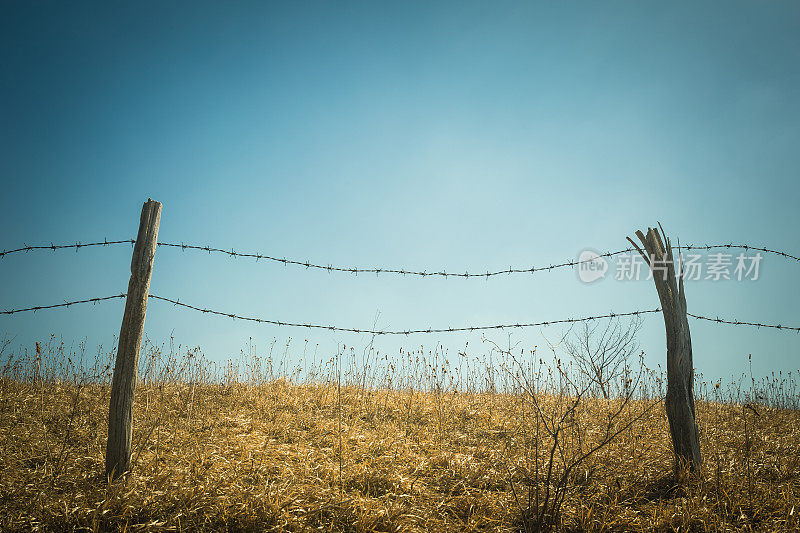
<point>602,355</point>
<point>561,432</point>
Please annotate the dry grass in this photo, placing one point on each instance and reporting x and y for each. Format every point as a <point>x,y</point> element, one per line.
<point>265,453</point>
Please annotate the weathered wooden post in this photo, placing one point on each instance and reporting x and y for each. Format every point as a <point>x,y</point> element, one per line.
<point>679,402</point>
<point>123,384</point>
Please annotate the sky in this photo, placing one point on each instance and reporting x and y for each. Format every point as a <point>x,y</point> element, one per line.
<point>467,136</point>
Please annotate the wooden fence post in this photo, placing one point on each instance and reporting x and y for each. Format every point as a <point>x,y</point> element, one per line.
<point>123,384</point>
<point>679,402</point>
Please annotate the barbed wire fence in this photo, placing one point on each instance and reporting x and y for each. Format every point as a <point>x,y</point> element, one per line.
<point>390,270</point>
<point>120,427</point>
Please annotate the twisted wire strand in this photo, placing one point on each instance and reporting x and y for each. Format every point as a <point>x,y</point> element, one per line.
<point>466,274</point>
<point>379,270</point>
<point>401,332</point>
<point>65,304</point>
<point>400,271</point>
<point>53,247</point>
<point>742,323</point>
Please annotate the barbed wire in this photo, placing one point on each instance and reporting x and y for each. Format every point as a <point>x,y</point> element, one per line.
<point>741,323</point>
<point>466,274</point>
<point>400,271</point>
<point>65,304</point>
<point>737,247</point>
<point>377,270</point>
<point>78,245</point>
<point>401,332</point>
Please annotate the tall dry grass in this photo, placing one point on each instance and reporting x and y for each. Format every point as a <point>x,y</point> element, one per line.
<point>422,440</point>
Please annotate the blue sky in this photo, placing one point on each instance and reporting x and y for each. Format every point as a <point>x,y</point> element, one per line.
<point>458,135</point>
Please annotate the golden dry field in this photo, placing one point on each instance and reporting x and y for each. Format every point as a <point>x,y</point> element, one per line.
<point>414,448</point>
